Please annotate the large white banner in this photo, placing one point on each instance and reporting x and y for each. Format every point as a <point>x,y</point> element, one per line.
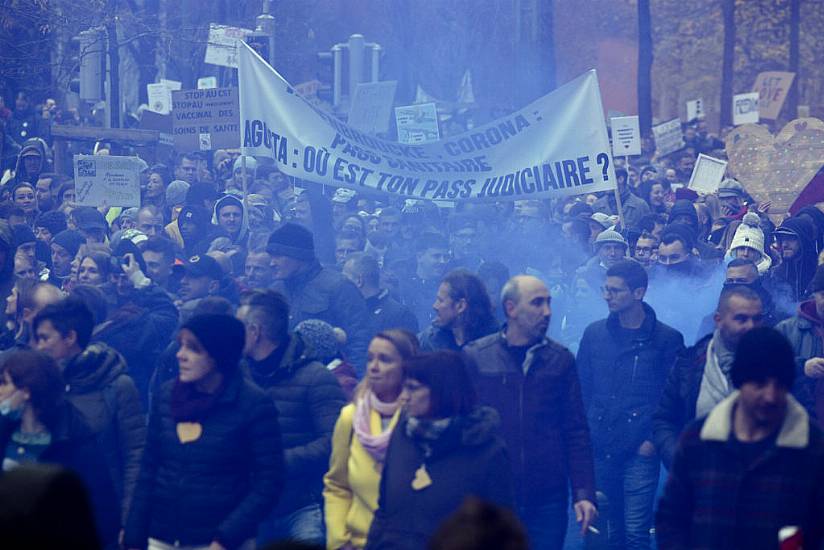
<point>557,145</point>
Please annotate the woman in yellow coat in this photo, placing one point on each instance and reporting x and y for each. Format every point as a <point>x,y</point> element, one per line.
<point>360,440</point>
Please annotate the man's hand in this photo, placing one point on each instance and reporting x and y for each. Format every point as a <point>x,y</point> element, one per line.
<point>646,449</point>
<point>585,514</point>
<point>814,367</point>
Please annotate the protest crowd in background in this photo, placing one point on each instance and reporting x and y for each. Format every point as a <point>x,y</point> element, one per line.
<point>252,361</point>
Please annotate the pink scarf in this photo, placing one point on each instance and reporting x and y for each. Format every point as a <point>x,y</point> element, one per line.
<point>375,445</point>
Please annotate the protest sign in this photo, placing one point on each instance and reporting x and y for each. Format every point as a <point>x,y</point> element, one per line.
<point>160,98</point>
<point>206,82</point>
<point>417,123</point>
<point>555,146</point>
<point>695,109</point>
<point>206,119</point>
<point>707,174</point>
<point>772,88</point>
<point>221,48</point>
<point>668,137</point>
<point>626,136</point>
<point>745,108</point>
<point>372,106</point>
<point>103,180</point>
<point>173,85</point>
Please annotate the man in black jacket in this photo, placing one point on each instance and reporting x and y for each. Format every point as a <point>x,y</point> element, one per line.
<point>624,361</point>
<point>98,385</point>
<point>700,377</point>
<point>533,383</point>
<point>308,398</point>
<point>315,292</point>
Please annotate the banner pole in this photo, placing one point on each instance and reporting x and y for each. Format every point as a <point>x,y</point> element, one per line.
<point>618,203</point>
<point>245,184</point>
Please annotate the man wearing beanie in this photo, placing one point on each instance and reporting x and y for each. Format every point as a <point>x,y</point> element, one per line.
<point>64,247</point>
<point>315,292</point>
<point>805,331</point>
<point>753,466</point>
<point>49,224</point>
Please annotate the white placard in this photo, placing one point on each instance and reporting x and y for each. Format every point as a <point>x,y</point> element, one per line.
<point>417,123</point>
<point>160,98</point>
<point>173,85</point>
<point>668,137</point>
<point>745,109</point>
<point>707,174</point>
<point>372,106</point>
<point>695,109</point>
<point>103,180</point>
<point>626,136</point>
<point>222,46</point>
<point>207,83</point>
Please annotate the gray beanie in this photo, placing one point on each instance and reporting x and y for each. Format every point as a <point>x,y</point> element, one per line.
<point>320,339</point>
<point>610,236</point>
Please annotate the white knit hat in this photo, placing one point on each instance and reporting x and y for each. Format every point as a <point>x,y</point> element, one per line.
<point>750,235</point>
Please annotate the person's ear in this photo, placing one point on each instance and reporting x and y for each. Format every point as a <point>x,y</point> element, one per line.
<point>71,338</point>
<point>509,307</point>
<point>461,306</point>
<point>213,286</point>
<point>639,293</point>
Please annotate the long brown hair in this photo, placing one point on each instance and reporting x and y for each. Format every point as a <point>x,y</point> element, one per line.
<point>405,343</point>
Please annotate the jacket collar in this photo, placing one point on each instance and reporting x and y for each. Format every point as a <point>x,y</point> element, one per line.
<point>794,432</point>
<point>647,326</point>
<point>306,275</point>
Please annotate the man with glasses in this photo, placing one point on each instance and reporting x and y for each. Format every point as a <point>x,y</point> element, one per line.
<point>624,361</point>
<point>646,250</point>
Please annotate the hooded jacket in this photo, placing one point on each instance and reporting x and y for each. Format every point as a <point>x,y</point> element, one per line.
<point>468,459</point>
<point>798,271</point>
<point>97,384</point>
<point>244,220</point>
<point>33,144</point>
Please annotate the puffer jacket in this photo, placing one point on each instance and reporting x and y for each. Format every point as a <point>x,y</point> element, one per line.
<point>320,293</point>
<point>542,416</point>
<point>436,338</point>
<point>468,459</point>
<point>308,398</point>
<point>97,384</point>
<point>804,332</point>
<point>622,381</point>
<point>217,487</point>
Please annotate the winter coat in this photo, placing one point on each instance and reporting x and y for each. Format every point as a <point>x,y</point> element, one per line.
<point>679,399</point>
<point>634,208</point>
<point>436,338</point>
<point>242,235</point>
<point>386,313</point>
<point>351,485</point>
<point>320,293</point>
<point>74,447</point>
<point>217,487</point>
<point>622,381</point>
<point>467,460</point>
<point>97,384</point>
<point>804,332</point>
<point>542,416</point>
<point>140,329</point>
<point>716,499</point>
<point>308,398</point>
<point>418,295</point>
<point>799,271</point>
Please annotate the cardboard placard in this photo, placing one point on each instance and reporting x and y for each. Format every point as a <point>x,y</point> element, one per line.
<point>695,109</point>
<point>207,82</point>
<point>160,98</point>
<point>204,120</point>
<point>626,136</point>
<point>103,180</point>
<point>772,88</point>
<point>222,46</point>
<point>745,108</point>
<point>668,137</point>
<point>707,174</point>
<point>372,106</point>
<point>417,123</point>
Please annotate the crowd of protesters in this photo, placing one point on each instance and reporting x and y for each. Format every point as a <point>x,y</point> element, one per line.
<point>248,358</point>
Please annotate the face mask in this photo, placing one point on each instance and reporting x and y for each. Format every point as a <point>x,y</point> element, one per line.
<point>682,268</point>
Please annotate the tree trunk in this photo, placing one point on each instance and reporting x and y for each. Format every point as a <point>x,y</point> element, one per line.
<point>792,99</point>
<point>728,9</point>
<point>645,55</point>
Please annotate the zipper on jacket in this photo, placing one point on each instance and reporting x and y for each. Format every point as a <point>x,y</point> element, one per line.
<point>634,368</point>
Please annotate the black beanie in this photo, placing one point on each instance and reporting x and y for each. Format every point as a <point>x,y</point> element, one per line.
<point>684,207</point>
<point>70,240</point>
<point>22,234</point>
<point>292,240</point>
<point>817,284</point>
<point>54,221</point>
<point>222,336</point>
<point>763,353</point>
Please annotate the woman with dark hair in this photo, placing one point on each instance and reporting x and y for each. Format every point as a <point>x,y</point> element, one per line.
<point>155,192</point>
<point>213,463</point>
<point>94,269</point>
<point>37,425</point>
<point>444,450</point>
<point>463,313</point>
<point>360,440</point>
<point>655,193</point>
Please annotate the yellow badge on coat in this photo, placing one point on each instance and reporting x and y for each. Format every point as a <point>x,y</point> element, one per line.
<point>422,479</point>
<point>189,431</point>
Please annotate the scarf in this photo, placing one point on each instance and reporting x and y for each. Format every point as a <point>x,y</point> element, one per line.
<point>715,383</point>
<point>426,432</point>
<point>375,445</point>
<point>189,404</point>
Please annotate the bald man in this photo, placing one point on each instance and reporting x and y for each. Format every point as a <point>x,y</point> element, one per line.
<point>532,382</point>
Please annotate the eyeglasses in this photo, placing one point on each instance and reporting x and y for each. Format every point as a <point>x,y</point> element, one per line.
<point>610,291</point>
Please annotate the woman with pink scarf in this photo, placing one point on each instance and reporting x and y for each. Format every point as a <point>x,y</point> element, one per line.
<point>360,440</point>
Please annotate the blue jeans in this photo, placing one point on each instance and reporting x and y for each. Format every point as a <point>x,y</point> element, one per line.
<point>303,525</point>
<point>546,524</point>
<point>630,487</point>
